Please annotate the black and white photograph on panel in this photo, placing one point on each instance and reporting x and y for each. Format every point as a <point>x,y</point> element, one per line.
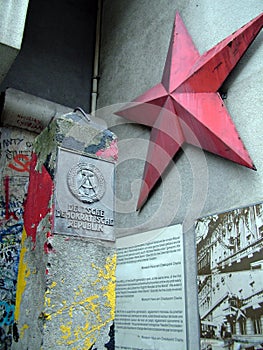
<point>230,279</point>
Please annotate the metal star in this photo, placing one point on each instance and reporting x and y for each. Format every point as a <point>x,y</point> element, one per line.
<point>186,107</point>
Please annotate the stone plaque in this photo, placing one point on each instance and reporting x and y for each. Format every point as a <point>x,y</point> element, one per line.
<point>84,196</point>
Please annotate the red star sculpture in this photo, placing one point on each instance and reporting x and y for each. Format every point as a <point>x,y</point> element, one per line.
<point>186,107</point>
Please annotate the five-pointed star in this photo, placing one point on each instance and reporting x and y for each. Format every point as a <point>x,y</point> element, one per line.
<point>186,107</point>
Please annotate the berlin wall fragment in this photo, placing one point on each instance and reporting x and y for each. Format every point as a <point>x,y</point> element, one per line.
<point>16,148</point>
<point>66,280</point>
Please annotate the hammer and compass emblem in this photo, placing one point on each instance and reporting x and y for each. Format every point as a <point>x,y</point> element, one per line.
<point>86,182</point>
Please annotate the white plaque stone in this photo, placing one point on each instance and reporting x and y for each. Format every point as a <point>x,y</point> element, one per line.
<point>84,196</point>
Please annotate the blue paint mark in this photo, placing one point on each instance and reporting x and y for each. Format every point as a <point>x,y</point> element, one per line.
<point>10,238</point>
<point>6,313</point>
<point>111,344</point>
<point>11,230</point>
<point>5,338</point>
<point>106,137</point>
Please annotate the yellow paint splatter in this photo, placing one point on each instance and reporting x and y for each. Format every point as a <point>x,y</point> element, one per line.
<point>66,330</point>
<point>53,284</point>
<point>23,274</point>
<point>47,299</point>
<point>109,275</point>
<point>22,330</point>
<point>110,288</point>
<point>47,316</point>
<point>91,308</point>
<point>79,291</point>
<point>47,302</point>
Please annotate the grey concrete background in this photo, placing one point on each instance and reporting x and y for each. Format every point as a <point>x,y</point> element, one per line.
<point>56,57</point>
<point>134,47</point>
<point>135,41</point>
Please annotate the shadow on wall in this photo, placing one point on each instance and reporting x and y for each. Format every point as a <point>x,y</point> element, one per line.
<point>56,58</point>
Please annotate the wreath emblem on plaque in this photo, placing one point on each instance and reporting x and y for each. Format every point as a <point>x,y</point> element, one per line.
<point>86,182</point>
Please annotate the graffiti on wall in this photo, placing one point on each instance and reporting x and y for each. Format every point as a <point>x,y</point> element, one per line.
<point>10,234</point>
<point>15,150</point>
<point>80,308</point>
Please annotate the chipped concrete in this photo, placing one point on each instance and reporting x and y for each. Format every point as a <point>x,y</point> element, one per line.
<point>66,284</point>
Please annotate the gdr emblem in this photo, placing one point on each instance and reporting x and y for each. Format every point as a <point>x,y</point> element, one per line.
<point>86,182</point>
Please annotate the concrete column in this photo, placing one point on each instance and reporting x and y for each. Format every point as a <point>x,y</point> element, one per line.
<point>238,331</point>
<point>250,326</point>
<point>23,116</point>
<point>66,281</point>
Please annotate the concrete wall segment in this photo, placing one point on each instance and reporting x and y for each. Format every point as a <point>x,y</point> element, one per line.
<point>16,148</point>
<point>78,298</point>
<point>16,144</point>
<point>70,280</point>
<point>29,112</point>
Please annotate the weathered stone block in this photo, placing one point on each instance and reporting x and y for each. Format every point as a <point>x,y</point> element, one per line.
<point>66,283</point>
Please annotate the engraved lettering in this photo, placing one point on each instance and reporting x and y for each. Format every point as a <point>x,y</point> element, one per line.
<point>82,214</point>
<point>83,197</point>
<point>86,225</point>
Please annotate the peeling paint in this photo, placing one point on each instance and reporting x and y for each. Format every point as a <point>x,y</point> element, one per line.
<point>37,203</point>
<point>49,135</point>
<point>48,248</point>
<point>110,152</point>
<point>79,308</point>
<point>53,135</point>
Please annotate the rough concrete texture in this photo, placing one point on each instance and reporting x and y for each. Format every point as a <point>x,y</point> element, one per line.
<point>12,22</point>
<point>135,40</point>
<point>29,112</point>
<point>24,112</point>
<point>80,297</point>
<point>16,148</point>
<point>66,285</point>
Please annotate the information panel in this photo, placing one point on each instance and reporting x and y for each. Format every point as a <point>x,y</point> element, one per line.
<point>150,302</point>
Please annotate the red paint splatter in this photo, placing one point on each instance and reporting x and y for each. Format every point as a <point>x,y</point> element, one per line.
<point>37,203</point>
<point>49,235</point>
<point>22,162</point>
<point>110,152</point>
<point>48,248</point>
